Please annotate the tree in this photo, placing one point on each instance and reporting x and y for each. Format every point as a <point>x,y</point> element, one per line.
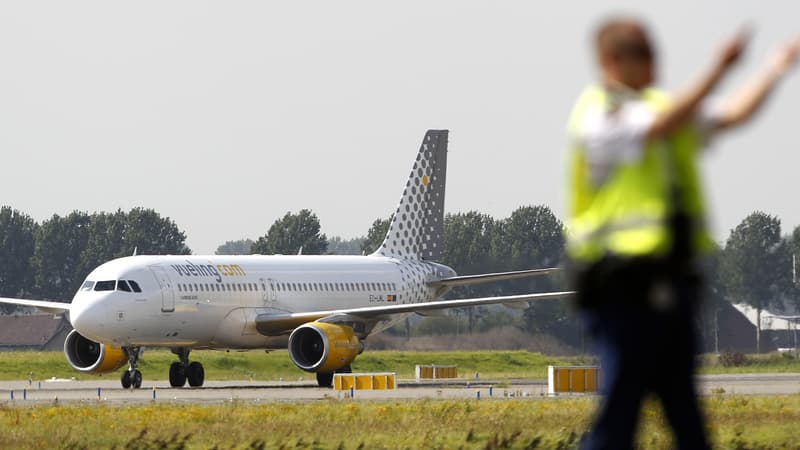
<point>339,246</point>
<point>756,265</point>
<point>292,233</point>
<point>533,237</point>
<point>468,239</point>
<point>68,248</point>
<point>105,241</point>
<point>240,247</point>
<point>376,235</point>
<point>793,242</point>
<point>118,234</point>
<point>150,234</point>
<point>56,261</point>
<point>16,249</point>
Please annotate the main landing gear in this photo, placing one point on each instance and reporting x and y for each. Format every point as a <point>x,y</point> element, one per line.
<point>325,380</point>
<point>182,371</point>
<point>132,378</point>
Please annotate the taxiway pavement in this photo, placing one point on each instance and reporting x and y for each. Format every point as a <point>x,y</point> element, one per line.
<point>106,390</point>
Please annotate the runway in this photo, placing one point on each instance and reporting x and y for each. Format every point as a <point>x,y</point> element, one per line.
<point>108,391</point>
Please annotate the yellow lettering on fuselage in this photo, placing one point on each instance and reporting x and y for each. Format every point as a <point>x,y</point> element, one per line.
<point>231,270</point>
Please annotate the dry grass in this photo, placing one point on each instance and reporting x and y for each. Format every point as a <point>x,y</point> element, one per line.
<point>735,422</point>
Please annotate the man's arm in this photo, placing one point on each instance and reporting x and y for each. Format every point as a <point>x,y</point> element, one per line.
<point>685,105</point>
<point>747,100</point>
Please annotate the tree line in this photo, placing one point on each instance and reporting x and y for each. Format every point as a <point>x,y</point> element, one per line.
<point>754,266</point>
<point>49,260</point>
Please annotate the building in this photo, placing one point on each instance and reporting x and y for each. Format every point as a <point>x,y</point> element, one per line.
<point>33,332</point>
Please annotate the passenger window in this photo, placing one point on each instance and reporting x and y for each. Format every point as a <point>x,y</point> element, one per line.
<point>105,285</point>
<point>122,285</point>
<point>87,285</point>
<point>179,288</point>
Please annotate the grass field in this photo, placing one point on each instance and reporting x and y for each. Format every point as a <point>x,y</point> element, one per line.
<point>154,364</point>
<point>734,422</point>
<point>277,364</point>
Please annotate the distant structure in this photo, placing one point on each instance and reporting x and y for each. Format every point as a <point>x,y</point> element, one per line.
<point>736,330</point>
<point>33,332</point>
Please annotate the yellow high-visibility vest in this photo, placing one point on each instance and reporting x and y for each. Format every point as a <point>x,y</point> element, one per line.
<point>626,215</point>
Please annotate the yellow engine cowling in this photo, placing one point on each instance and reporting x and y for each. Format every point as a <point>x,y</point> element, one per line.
<point>323,347</point>
<point>85,355</point>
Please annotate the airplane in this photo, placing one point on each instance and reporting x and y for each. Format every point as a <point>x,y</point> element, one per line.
<point>326,304</point>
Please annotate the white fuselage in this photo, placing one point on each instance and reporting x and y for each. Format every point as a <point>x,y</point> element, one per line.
<point>213,301</point>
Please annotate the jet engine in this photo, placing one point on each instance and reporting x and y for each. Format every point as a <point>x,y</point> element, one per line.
<point>85,355</point>
<point>323,347</point>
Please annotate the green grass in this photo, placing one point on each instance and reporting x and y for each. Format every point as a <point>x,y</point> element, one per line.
<point>734,422</point>
<point>768,363</point>
<point>274,365</point>
<point>154,364</point>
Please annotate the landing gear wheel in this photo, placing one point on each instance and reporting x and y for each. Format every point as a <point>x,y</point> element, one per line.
<point>195,374</point>
<point>325,380</point>
<point>345,369</point>
<point>126,379</point>
<point>132,378</point>
<point>177,374</point>
<point>136,379</point>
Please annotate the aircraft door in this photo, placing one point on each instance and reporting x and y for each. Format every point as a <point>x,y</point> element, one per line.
<point>270,294</point>
<point>167,295</point>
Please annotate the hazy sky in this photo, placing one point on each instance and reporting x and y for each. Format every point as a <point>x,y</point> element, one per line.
<point>226,115</point>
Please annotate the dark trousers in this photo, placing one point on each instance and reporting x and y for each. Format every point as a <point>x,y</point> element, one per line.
<point>645,349</point>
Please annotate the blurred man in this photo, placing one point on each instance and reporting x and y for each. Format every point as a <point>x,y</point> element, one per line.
<point>636,229</point>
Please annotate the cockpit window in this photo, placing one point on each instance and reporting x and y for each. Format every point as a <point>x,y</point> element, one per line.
<point>87,285</point>
<point>135,286</point>
<point>105,285</point>
<point>122,285</point>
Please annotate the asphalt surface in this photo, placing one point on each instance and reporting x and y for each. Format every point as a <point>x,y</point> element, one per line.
<point>109,391</point>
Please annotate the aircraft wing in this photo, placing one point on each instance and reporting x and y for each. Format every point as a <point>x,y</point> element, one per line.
<point>490,277</point>
<point>48,307</point>
<point>276,324</point>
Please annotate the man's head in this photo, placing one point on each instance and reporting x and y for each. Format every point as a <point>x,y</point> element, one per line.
<point>625,53</point>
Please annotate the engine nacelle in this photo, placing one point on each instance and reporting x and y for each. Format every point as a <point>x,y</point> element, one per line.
<point>85,355</point>
<point>323,347</point>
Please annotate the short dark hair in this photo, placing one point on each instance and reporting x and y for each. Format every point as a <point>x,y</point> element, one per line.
<point>618,34</point>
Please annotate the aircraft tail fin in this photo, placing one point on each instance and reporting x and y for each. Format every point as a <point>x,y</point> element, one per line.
<point>416,231</point>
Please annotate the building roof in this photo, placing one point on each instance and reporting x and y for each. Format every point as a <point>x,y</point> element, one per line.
<point>30,330</point>
<point>770,320</point>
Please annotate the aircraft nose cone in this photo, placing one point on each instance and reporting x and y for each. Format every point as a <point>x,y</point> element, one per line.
<point>87,316</point>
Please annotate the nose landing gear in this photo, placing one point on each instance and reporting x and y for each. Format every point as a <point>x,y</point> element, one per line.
<point>132,378</point>
<point>182,371</point>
